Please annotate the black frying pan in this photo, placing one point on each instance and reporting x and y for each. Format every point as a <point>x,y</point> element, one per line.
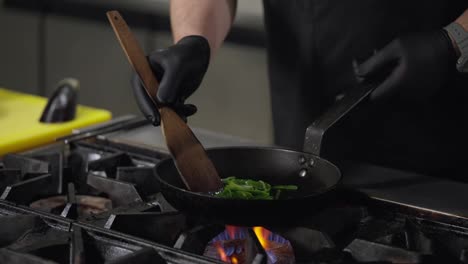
<point>317,178</point>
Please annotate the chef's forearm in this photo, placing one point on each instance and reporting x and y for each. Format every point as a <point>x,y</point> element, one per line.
<point>209,18</point>
<point>463,21</point>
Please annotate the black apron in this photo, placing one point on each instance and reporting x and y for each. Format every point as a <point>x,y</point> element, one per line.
<point>311,45</point>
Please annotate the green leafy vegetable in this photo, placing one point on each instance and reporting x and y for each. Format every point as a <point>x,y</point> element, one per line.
<point>235,188</point>
<point>285,187</point>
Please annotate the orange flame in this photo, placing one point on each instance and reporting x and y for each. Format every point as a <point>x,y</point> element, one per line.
<point>223,256</point>
<point>262,235</point>
<point>221,252</point>
<point>234,260</point>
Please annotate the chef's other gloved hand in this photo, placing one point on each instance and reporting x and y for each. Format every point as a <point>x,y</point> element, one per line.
<point>180,70</point>
<point>412,68</point>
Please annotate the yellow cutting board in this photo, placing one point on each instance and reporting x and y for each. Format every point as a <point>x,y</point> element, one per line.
<point>20,128</point>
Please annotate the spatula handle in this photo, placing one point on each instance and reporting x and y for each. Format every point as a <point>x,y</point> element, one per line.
<point>134,53</point>
<point>196,169</point>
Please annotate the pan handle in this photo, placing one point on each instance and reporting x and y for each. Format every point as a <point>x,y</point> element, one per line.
<point>315,132</point>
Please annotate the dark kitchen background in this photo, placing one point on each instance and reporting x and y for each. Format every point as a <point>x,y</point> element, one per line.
<point>109,194</point>
<point>45,41</point>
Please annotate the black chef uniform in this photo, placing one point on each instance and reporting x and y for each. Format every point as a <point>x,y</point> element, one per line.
<point>311,45</point>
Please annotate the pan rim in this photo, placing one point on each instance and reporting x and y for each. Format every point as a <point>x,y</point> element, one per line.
<point>206,196</point>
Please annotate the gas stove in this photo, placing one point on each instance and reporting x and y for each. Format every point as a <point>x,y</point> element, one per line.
<point>96,200</point>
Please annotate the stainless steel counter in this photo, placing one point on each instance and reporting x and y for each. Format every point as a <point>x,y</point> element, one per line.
<point>436,196</point>
<point>150,137</point>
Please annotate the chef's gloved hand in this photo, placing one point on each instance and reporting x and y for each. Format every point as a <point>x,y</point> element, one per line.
<point>180,70</point>
<point>412,68</point>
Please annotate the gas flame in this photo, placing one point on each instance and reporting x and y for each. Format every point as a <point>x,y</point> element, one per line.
<point>277,248</point>
<point>221,252</point>
<point>229,246</point>
<point>262,235</point>
<point>232,230</point>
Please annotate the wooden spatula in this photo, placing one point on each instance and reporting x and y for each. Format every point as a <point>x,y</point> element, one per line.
<point>197,171</point>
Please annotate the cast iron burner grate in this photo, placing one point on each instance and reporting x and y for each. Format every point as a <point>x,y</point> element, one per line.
<point>27,236</point>
<point>76,185</point>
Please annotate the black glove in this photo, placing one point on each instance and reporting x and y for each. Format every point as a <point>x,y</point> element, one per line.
<point>411,68</point>
<point>180,70</point>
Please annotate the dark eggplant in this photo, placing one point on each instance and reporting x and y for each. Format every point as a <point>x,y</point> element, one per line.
<point>61,106</point>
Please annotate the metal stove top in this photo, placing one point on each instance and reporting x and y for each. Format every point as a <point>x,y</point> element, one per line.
<point>96,201</point>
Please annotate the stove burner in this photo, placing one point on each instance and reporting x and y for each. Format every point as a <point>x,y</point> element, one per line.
<point>86,204</point>
<point>277,248</point>
<point>244,244</point>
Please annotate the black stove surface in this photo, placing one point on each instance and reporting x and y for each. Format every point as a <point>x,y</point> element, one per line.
<point>90,203</point>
